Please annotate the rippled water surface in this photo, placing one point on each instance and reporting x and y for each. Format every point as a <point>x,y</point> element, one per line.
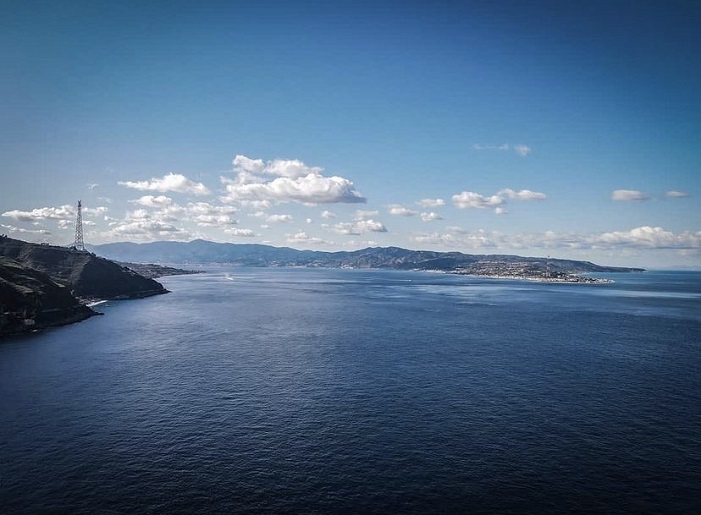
<point>327,391</point>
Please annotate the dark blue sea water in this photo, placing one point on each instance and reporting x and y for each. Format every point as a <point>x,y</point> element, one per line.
<point>332,391</point>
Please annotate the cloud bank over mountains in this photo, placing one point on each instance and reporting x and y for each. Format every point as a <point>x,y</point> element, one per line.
<point>240,205</point>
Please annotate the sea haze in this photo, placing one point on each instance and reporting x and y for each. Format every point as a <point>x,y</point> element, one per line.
<point>326,391</point>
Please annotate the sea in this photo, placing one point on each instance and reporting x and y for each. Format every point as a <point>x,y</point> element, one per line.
<point>264,390</point>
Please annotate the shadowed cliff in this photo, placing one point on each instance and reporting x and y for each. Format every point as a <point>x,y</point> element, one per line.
<point>86,275</point>
<point>31,300</point>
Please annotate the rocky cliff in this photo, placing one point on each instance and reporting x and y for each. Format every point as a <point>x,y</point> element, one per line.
<point>86,275</point>
<point>31,300</point>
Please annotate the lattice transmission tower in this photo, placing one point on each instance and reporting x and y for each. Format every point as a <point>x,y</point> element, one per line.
<point>79,245</point>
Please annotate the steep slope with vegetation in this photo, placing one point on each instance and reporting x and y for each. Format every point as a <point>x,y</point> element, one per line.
<point>86,275</point>
<point>31,300</point>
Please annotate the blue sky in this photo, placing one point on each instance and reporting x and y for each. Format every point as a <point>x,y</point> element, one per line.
<point>569,129</point>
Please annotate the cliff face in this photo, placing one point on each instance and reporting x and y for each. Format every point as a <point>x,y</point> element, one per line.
<point>31,300</point>
<point>84,274</point>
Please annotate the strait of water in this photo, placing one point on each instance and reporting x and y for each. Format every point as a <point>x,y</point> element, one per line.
<point>338,391</point>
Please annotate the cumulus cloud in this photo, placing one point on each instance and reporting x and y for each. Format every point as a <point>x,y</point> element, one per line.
<point>213,220</point>
<point>522,195</point>
<point>245,233</point>
<point>328,215</point>
<point>361,214</point>
<point>473,240</point>
<point>279,219</point>
<point>676,194</point>
<point>42,213</point>
<point>644,237</point>
<point>148,229</point>
<point>303,237</point>
<point>399,210</point>
<point>292,168</point>
<point>294,181</point>
<point>651,237</point>
<point>358,227</point>
<point>430,217</point>
<point>431,202</point>
<point>21,230</point>
<point>472,200</point>
<point>311,189</point>
<point>151,201</point>
<point>205,208</point>
<point>629,196</point>
<point>95,211</point>
<point>170,182</point>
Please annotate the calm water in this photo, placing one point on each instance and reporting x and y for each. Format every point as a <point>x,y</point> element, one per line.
<point>319,391</point>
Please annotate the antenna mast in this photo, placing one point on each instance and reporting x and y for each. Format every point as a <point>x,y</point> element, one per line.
<point>79,245</point>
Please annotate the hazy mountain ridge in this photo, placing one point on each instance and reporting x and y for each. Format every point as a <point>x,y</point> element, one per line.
<point>201,251</point>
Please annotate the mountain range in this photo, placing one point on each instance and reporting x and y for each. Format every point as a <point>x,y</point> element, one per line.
<point>202,252</point>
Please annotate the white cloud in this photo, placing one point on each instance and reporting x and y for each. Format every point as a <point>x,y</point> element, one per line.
<point>43,213</point>
<point>361,214</point>
<point>472,200</point>
<point>311,189</point>
<point>629,196</point>
<point>651,237</point>
<point>399,210</point>
<point>148,229</point>
<point>640,237</point>
<point>214,220</point>
<point>169,182</point>
<point>279,219</point>
<point>246,164</point>
<point>254,204</point>
<point>139,214</point>
<point>205,208</point>
<point>676,194</point>
<point>431,202</point>
<point>303,237</point>
<point>151,201</point>
<point>430,217</point>
<point>310,221</point>
<point>13,229</point>
<point>328,215</point>
<point>246,233</point>
<point>522,195</point>
<point>474,240</point>
<point>294,181</point>
<point>292,168</point>
<point>92,186</point>
<point>358,227</point>
<point>94,211</point>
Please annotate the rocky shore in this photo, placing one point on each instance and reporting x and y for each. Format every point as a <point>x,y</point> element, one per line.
<point>44,285</point>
